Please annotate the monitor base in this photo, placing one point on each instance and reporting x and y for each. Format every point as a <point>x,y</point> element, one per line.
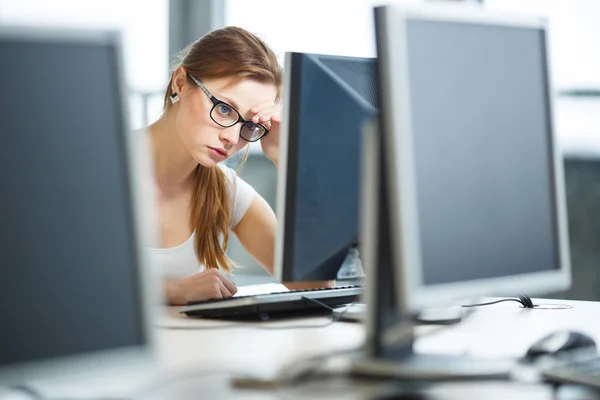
<point>357,312</point>
<point>434,367</point>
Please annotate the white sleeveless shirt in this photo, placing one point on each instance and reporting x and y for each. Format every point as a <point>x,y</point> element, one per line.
<point>180,262</point>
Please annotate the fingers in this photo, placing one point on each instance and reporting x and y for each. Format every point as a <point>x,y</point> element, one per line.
<point>225,293</point>
<point>267,115</point>
<point>261,106</point>
<point>228,283</point>
<point>266,112</point>
<point>208,284</point>
<point>266,118</point>
<point>229,287</point>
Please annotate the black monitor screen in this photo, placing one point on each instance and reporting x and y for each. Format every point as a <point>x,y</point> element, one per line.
<point>331,97</point>
<point>483,151</point>
<point>68,277</point>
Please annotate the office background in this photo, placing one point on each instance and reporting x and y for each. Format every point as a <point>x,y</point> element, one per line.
<point>154,30</point>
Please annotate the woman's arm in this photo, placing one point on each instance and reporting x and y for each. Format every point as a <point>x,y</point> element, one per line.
<point>209,284</point>
<point>256,232</point>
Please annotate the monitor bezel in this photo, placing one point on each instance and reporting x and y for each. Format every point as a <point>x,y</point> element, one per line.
<point>143,213</point>
<point>282,196</point>
<point>412,294</point>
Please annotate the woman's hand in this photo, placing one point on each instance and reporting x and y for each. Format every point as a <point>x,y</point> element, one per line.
<point>209,284</point>
<point>269,114</point>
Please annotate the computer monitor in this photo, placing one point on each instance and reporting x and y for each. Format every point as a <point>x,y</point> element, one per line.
<point>326,100</point>
<point>471,201</point>
<point>74,281</point>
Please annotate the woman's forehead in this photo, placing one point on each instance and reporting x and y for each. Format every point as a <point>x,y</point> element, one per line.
<point>243,94</point>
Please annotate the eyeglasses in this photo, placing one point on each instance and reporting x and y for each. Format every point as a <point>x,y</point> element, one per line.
<point>225,115</point>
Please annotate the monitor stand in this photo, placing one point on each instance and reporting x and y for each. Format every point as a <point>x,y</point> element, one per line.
<point>352,267</point>
<point>426,367</point>
<point>351,272</point>
<point>390,326</point>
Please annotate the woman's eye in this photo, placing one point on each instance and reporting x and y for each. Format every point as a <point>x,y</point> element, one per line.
<point>223,109</point>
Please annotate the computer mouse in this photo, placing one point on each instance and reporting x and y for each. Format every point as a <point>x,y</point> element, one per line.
<point>560,342</point>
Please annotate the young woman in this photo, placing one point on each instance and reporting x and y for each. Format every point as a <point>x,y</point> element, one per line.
<point>221,96</point>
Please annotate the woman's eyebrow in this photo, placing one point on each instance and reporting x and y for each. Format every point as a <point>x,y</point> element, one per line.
<point>229,101</point>
<point>234,105</point>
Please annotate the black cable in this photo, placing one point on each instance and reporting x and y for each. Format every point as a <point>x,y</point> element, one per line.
<point>334,318</point>
<point>28,390</point>
<point>523,299</point>
<point>318,303</point>
<point>36,395</point>
<point>490,303</point>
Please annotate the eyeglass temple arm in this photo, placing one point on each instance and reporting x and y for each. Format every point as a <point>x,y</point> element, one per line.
<point>201,86</point>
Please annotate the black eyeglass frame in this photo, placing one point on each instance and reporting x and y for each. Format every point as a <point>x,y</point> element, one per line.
<point>216,102</point>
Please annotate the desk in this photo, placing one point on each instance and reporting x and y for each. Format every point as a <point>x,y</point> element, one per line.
<point>199,347</point>
<point>499,330</point>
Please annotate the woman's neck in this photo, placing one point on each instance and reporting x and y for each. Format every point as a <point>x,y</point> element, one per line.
<point>173,165</point>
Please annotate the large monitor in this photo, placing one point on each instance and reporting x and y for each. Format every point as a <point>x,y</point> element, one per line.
<point>326,101</point>
<point>475,174</point>
<point>74,282</point>
<point>471,201</point>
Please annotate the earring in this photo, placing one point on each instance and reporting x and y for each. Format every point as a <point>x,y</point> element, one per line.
<point>174,98</point>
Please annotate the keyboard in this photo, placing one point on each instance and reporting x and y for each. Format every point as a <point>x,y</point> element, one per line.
<point>279,304</point>
<point>581,370</point>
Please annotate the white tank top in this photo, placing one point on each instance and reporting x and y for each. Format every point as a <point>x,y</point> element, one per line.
<point>180,261</point>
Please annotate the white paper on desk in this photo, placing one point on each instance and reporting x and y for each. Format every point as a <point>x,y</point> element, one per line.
<point>249,290</point>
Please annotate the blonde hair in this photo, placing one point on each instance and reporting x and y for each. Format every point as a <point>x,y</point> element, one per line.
<point>237,54</point>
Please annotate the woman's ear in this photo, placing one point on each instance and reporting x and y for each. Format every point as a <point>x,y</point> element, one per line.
<point>179,80</point>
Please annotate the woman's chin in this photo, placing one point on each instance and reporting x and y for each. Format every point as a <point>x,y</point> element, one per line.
<point>207,161</point>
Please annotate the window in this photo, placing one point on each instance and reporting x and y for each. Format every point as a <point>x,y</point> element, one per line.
<point>574,37</point>
<point>343,27</point>
<point>144,28</point>
<point>337,27</point>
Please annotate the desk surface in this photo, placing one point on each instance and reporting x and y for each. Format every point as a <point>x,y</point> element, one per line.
<point>200,356</point>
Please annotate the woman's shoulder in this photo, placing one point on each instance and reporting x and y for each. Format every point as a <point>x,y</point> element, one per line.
<point>239,185</point>
<point>232,175</point>
<point>229,172</point>
<point>241,194</point>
